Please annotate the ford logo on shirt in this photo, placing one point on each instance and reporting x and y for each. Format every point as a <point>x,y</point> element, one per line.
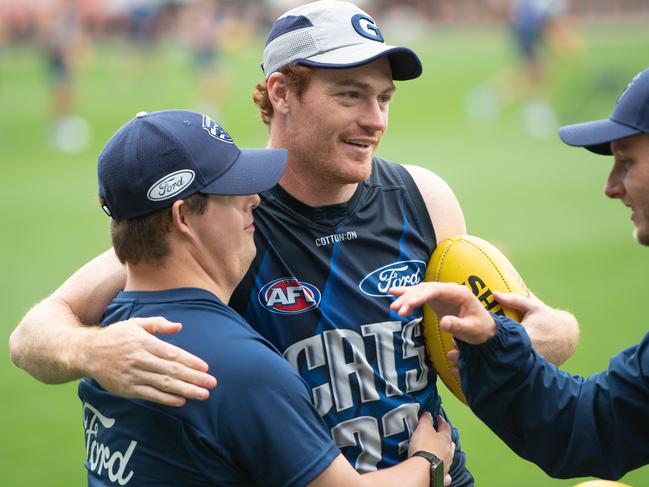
<point>403,273</point>
<point>287,295</point>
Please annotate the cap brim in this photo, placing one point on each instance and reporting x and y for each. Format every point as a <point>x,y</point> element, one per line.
<point>404,62</point>
<point>254,171</point>
<point>596,136</point>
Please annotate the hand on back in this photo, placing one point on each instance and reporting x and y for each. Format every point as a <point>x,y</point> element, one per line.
<point>128,360</point>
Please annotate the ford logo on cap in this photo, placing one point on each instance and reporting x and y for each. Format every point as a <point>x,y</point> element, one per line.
<point>170,185</point>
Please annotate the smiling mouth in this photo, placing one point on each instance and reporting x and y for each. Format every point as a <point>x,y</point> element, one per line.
<point>356,143</point>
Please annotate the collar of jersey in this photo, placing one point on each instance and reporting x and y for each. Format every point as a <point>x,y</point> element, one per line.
<point>328,215</point>
<point>166,295</point>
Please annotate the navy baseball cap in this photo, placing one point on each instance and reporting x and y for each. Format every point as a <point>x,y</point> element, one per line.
<point>630,117</point>
<point>160,157</point>
<point>333,34</point>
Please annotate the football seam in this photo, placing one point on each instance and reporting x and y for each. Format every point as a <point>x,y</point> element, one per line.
<point>438,332</point>
<point>442,258</point>
<point>444,358</point>
<point>502,277</point>
<point>437,273</point>
<point>493,264</point>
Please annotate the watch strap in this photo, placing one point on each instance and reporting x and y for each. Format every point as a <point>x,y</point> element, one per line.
<point>436,467</point>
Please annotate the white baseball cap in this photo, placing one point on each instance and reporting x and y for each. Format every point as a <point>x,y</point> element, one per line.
<point>333,34</point>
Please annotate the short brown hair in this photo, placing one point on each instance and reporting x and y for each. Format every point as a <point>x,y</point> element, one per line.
<point>298,81</point>
<point>144,239</point>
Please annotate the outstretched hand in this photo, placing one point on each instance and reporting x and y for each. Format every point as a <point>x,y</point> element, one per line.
<point>128,360</point>
<point>459,312</point>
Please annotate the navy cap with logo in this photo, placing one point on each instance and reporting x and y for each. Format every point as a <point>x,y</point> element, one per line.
<point>160,157</point>
<point>333,34</point>
<point>630,117</point>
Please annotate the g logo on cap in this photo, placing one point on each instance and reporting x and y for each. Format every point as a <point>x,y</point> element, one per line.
<point>366,27</point>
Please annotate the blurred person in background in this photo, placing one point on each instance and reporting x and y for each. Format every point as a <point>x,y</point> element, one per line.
<point>212,31</point>
<point>534,25</point>
<point>64,44</point>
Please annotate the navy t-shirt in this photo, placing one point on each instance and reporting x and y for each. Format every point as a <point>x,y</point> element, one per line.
<point>258,426</point>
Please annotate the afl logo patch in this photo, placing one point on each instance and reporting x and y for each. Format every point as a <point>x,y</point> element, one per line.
<point>287,295</point>
<point>404,273</point>
<point>170,185</point>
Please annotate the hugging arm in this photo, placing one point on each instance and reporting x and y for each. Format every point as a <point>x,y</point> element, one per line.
<point>57,341</point>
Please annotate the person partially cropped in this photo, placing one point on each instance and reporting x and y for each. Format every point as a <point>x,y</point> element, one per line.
<point>570,426</point>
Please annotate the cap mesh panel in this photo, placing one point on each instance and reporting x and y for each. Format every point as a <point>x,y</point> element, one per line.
<point>154,158</point>
<point>284,49</point>
<point>158,151</point>
<point>111,167</point>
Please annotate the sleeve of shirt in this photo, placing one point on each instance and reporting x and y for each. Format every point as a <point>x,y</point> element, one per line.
<point>272,429</point>
<point>570,426</point>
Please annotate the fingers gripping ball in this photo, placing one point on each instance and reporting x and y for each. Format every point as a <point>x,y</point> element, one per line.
<point>480,266</point>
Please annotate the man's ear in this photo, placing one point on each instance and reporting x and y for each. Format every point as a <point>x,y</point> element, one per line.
<point>179,217</point>
<point>278,92</point>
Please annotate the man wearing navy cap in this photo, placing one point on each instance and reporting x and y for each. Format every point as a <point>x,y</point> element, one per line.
<point>570,426</point>
<point>180,194</point>
<point>340,229</point>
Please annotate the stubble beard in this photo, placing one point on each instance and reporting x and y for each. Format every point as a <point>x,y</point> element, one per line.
<point>334,167</point>
<point>641,237</point>
<point>353,175</point>
<point>641,234</point>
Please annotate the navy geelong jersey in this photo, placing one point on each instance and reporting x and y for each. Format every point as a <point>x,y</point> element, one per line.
<point>257,428</point>
<point>318,290</point>
<point>570,426</point>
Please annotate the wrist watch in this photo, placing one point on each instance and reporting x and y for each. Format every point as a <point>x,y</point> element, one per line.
<point>436,467</point>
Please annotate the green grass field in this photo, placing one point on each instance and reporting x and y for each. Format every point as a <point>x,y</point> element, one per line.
<point>539,199</point>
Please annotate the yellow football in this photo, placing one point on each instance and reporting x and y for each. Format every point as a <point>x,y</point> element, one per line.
<point>481,267</point>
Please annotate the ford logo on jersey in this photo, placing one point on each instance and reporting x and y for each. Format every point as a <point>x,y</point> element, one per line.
<point>403,273</point>
<point>287,295</point>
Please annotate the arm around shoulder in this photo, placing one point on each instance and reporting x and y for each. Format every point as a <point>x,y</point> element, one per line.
<point>57,342</point>
<point>50,340</point>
